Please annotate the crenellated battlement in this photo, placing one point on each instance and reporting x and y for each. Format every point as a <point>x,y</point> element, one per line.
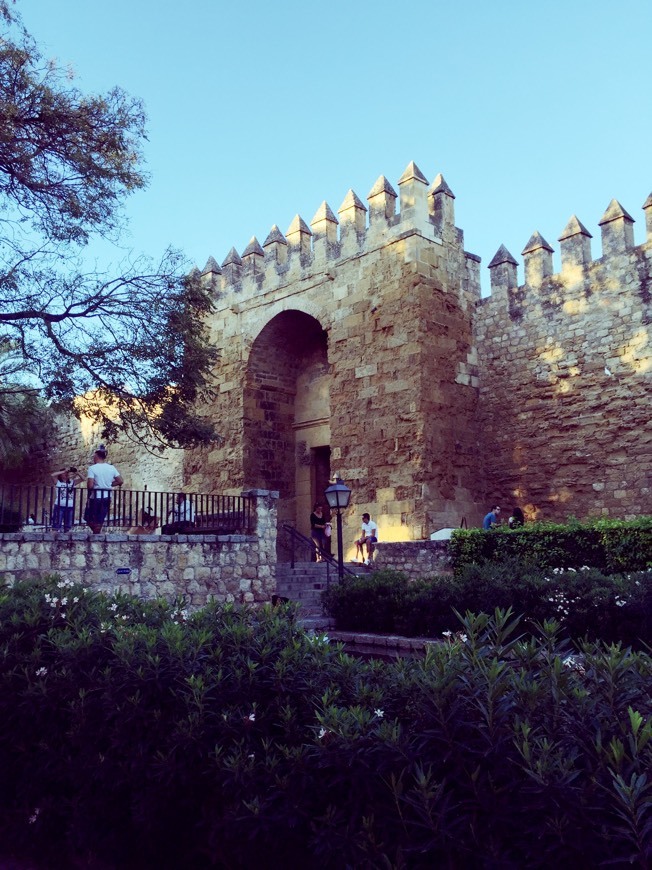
<point>305,250</point>
<point>578,268</point>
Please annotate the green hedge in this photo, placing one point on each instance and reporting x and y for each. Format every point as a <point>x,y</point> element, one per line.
<point>588,603</point>
<point>608,545</point>
<point>135,735</point>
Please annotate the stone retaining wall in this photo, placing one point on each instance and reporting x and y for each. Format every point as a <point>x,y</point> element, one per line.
<point>228,568</point>
<point>417,559</point>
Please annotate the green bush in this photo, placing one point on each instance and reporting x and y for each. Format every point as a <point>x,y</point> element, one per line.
<point>588,603</point>
<point>135,735</point>
<point>608,545</point>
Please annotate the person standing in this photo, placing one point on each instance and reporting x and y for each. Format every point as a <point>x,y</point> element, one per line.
<point>491,519</point>
<point>318,531</point>
<point>63,511</point>
<point>100,480</point>
<point>368,538</point>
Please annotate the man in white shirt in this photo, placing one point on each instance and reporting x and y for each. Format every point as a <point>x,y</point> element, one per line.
<point>181,517</point>
<point>101,478</point>
<point>369,537</point>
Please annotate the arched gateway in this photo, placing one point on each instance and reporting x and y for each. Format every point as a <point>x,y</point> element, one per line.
<point>286,413</point>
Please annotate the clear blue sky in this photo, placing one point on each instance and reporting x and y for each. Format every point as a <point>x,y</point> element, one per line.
<point>259,111</point>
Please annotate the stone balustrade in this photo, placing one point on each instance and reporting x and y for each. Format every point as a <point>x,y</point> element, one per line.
<point>228,568</point>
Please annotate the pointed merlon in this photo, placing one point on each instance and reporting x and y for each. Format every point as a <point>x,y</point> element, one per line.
<point>439,186</point>
<point>614,212</point>
<point>232,259</point>
<point>382,185</point>
<point>324,213</point>
<point>275,235</point>
<point>412,173</point>
<point>535,243</point>
<point>194,272</point>
<point>574,227</point>
<point>298,225</point>
<point>648,202</point>
<point>253,248</point>
<point>352,200</point>
<point>211,267</point>
<point>501,256</point>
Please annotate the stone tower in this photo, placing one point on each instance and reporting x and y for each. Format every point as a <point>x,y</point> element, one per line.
<point>347,346</point>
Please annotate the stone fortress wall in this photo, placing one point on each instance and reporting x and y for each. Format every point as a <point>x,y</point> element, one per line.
<point>367,333</point>
<point>75,442</point>
<point>361,345</point>
<point>565,404</point>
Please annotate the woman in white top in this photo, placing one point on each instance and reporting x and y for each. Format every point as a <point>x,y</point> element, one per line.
<point>63,510</point>
<point>101,478</point>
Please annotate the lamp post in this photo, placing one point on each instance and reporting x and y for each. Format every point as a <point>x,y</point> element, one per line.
<point>338,496</point>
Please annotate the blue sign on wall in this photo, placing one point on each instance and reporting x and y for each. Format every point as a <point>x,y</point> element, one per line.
<point>123,570</point>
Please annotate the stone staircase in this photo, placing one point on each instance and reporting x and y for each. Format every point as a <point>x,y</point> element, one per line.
<point>304,584</point>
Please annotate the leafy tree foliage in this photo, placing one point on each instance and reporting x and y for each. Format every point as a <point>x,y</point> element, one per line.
<point>129,350</point>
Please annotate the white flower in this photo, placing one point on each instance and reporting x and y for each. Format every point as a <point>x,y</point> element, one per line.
<point>585,568</point>
<point>64,601</point>
<point>113,607</point>
<point>322,733</point>
<point>41,672</point>
<point>463,637</point>
<point>620,602</point>
<point>380,713</point>
<point>447,633</point>
<point>34,815</point>
<point>75,599</point>
<point>252,717</point>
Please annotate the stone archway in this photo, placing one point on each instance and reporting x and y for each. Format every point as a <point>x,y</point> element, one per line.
<point>286,413</point>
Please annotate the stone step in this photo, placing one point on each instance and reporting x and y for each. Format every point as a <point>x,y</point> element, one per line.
<point>304,584</point>
<point>317,623</point>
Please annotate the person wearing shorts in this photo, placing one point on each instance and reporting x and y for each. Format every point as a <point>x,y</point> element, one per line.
<point>101,478</point>
<point>368,538</point>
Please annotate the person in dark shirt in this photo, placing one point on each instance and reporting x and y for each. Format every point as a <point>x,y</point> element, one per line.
<point>317,531</point>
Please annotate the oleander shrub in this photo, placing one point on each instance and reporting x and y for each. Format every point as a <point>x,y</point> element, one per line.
<point>587,603</point>
<point>138,735</point>
<point>611,546</point>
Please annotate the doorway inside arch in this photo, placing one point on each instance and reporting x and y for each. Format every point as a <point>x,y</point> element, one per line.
<point>286,414</point>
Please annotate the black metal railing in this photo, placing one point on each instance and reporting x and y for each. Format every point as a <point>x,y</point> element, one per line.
<point>50,507</point>
<point>298,547</point>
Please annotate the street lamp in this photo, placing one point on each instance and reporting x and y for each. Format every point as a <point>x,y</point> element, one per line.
<point>338,496</point>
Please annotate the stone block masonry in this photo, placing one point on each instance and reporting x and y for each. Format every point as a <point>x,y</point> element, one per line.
<point>229,568</point>
<point>565,405</point>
